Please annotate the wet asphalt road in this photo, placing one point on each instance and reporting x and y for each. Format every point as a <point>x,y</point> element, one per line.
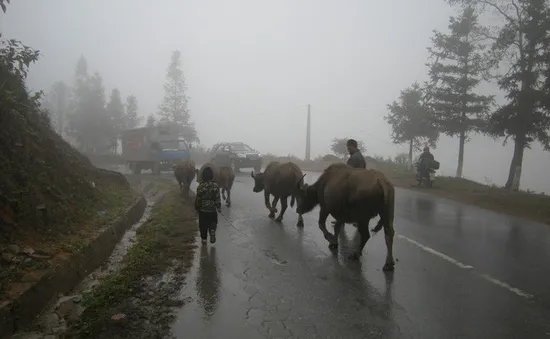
<point>462,272</point>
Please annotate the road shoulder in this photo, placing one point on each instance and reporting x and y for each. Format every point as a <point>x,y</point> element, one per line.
<point>138,300</point>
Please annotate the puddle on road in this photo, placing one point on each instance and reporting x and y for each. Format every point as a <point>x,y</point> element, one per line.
<point>274,258</point>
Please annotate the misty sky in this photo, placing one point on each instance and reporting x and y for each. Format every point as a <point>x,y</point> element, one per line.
<point>252,67</point>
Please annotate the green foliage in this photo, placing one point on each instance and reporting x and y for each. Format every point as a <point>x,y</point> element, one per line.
<point>457,68</point>
<point>57,103</point>
<point>410,119</point>
<point>526,117</point>
<point>519,43</point>
<point>401,159</point>
<point>174,106</point>
<point>151,121</point>
<point>456,71</point>
<point>115,111</point>
<point>90,122</point>
<point>339,147</point>
<point>16,58</point>
<point>131,118</point>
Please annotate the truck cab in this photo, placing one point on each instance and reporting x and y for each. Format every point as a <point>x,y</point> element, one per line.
<point>156,148</point>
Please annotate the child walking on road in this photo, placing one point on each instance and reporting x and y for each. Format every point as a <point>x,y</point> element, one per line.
<point>208,204</point>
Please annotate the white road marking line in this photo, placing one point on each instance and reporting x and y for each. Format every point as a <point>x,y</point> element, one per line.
<point>457,263</point>
<point>436,253</point>
<point>506,286</point>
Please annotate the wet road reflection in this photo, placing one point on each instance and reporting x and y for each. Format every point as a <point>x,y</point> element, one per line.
<point>263,279</point>
<point>208,281</point>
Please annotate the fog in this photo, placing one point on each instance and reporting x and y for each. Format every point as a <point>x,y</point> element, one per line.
<point>253,66</point>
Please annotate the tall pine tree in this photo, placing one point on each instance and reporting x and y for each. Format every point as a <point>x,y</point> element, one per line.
<point>174,106</point>
<point>115,110</point>
<point>520,43</point>
<point>457,70</point>
<point>57,102</point>
<point>410,120</point>
<point>151,121</point>
<point>131,118</point>
<point>89,122</point>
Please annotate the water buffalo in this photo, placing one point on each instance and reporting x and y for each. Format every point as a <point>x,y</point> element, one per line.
<point>184,172</point>
<point>352,195</point>
<point>223,176</point>
<point>280,181</point>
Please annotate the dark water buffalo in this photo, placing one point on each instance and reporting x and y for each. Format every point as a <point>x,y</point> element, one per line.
<point>223,176</point>
<point>184,172</point>
<point>352,195</point>
<point>279,180</point>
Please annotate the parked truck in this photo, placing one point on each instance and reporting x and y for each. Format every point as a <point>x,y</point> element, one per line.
<point>156,148</point>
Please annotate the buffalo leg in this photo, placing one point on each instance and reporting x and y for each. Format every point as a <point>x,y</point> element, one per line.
<point>323,215</point>
<point>337,228</point>
<point>363,228</point>
<point>274,207</point>
<point>389,233</point>
<point>228,201</point>
<point>268,205</point>
<point>300,222</point>
<point>284,206</point>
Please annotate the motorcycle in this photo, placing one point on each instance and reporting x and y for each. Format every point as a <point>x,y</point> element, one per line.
<point>426,176</point>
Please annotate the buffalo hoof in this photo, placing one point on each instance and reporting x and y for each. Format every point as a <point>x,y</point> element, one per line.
<point>333,246</point>
<point>279,219</point>
<point>300,223</point>
<point>271,215</point>
<point>389,267</point>
<point>353,256</point>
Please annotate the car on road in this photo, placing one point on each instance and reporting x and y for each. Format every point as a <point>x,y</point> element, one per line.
<point>237,155</point>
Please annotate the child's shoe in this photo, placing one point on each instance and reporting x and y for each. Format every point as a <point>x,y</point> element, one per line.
<point>203,241</point>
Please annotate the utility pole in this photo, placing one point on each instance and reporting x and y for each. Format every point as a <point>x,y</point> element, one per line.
<point>308,134</point>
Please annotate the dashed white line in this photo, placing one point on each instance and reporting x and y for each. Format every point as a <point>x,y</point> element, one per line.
<point>436,253</point>
<point>506,286</point>
<point>459,264</point>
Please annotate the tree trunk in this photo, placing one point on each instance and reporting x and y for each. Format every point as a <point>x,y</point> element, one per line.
<point>462,141</point>
<point>411,154</point>
<point>59,115</point>
<point>514,175</point>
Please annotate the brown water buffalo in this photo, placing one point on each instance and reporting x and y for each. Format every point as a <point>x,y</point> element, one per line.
<point>352,195</point>
<point>279,180</point>
<point>223,176</point>
<point>184,172</point>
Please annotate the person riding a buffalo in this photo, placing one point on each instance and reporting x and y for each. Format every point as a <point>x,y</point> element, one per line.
<point>356,159</point>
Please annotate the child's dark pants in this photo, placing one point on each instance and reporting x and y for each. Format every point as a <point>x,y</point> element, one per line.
<point>207,220</point>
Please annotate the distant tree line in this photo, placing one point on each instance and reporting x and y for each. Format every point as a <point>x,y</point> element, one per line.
<point>512,54</point>
<point>81,112</point>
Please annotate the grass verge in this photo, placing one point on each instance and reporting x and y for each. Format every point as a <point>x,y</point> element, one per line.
<point>41,248</point>
<point>146,287</point>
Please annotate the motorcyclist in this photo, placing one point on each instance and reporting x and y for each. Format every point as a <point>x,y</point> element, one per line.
<point>424,160</point>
